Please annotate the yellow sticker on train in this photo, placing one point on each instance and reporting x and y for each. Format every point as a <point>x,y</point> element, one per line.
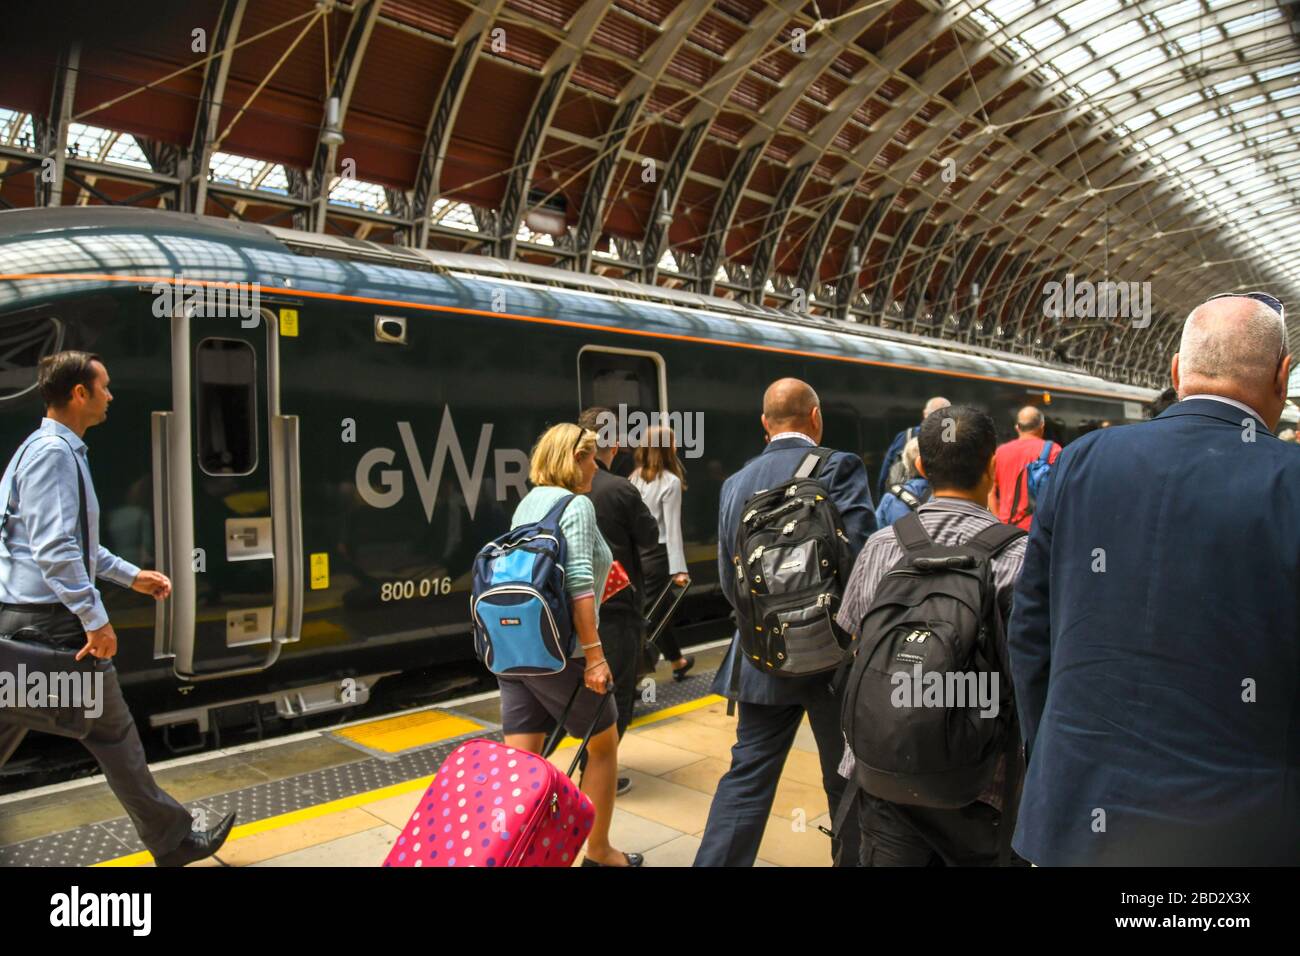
<point>320,570</point>
<point>289,322</point>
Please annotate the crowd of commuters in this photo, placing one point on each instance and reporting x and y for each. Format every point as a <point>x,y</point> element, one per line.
<point>1151,651</point>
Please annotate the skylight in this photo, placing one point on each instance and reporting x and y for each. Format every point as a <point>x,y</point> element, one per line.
<point>1165,75</point>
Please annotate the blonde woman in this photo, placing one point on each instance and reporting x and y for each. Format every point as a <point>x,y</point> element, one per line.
<point>562,464</point>
<point>660,478</point>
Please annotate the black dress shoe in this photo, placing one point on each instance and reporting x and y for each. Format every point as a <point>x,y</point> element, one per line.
<point>679,673</point>
<point>633,859</point>
<point>198,845</point>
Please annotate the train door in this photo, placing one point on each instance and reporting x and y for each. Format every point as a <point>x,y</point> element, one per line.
<point>631,383</point>
<point>226,499</point>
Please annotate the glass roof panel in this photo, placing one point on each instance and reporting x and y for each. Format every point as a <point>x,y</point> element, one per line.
<point>1177,13</point>
<point>1089,11</point>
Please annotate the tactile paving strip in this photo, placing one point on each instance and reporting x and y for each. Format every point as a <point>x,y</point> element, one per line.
<point>94,843</point>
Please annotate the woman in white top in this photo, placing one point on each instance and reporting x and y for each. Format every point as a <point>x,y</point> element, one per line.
<point>660,478</point>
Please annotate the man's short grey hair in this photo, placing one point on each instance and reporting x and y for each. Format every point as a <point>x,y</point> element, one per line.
<point>911,452</point>
<point>933,405</point>
<point>1236,339</point>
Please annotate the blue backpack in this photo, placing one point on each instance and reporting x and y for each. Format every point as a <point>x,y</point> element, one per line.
<point>522,624</point>
<point>1034,475</point>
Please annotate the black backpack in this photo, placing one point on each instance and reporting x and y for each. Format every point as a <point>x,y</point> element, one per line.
<point>935,608</point>
<point>792,560</point>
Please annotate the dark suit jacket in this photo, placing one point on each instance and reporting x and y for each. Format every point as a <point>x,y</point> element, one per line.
<point>846,481</point>
<point>1130,681</point>
<point>628,528</point>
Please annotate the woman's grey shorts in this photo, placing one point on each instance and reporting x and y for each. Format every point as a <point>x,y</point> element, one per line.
<point>533,705</point>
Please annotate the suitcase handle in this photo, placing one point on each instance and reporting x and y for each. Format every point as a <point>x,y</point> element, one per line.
<point>553,740</point>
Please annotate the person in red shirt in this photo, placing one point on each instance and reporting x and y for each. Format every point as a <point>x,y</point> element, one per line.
<point>1010,462</point>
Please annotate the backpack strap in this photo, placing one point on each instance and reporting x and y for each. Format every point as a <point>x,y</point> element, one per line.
<point>836,832</point>
<point>1022,481</point>
<point>9,492</point>
<point>551,520</point>
<point>993,539</point>
<point>734,694</point>
<point>911,534</point>
<point>811,464</point>
<point>83,522</point>
<point>906,497</point>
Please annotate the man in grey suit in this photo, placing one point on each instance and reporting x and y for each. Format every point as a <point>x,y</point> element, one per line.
<point>771,708</point>
<point>47,581</point>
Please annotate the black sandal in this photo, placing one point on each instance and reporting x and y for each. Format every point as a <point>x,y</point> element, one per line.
<point>633,859</point>
<point>680,673</point>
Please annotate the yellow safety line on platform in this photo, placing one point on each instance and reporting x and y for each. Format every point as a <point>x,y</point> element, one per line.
<point>398,789</point>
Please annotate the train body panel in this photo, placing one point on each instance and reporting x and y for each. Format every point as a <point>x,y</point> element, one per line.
<point>317,467</point>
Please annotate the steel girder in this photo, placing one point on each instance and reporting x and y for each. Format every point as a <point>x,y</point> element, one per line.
<point>193,168</point>
<point>446,107</point>
<point>676,30</point>
<point>932,83</point>
<point>554,75</point>
<point>883,288</point>
<point>916,289</point>
<point>815,245</point>
<point>847,280</point>
<point>766,27</point>
<point>360,29</point>
<point>52,132</point>
<point>952,274</point>
<point>751,146</point>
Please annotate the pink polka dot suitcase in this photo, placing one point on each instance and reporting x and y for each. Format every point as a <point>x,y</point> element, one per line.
<point>493,805</point>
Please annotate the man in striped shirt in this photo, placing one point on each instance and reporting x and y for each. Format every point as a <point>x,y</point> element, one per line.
<point>957,456</point>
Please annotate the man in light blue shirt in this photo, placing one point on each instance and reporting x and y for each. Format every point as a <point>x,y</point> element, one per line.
<point>47,581</point>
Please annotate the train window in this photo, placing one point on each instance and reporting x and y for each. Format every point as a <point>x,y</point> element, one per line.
<point>226,385</point>
<point>620,378</point>
<point>24,341</point>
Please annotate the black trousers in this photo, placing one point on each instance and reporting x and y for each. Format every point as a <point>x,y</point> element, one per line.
<point>895,835</point>
<point>743,801</point>
<point>654,567</point>
<point>113,741</point>
<point>622,633</point>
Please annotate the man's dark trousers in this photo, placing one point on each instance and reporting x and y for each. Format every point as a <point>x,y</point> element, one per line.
<point>895,835</point>
<point>113,741</point>
<point>743,801</point>
<point>621,636</point>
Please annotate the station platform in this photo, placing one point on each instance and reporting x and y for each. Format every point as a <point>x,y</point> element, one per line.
<point>340,796</point>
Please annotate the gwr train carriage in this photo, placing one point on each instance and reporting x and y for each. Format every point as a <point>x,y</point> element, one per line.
<point>316,468</point>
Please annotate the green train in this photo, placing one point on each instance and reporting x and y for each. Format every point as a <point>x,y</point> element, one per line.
<point>313,435</point>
